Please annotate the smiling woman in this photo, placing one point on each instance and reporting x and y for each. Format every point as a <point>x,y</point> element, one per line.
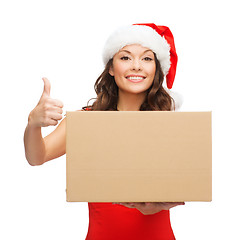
<point>137,59</point>
<point>131,54</point>
<point>134,70</point>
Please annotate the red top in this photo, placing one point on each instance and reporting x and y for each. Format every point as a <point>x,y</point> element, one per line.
<point>116,222</point>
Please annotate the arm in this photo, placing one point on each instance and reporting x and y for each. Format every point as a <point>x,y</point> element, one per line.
<point>148,208</point>
<point>39,150</point>
<point>47,113</point>
<point>34,145</point>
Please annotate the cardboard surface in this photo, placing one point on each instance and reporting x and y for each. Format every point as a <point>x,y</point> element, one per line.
<point>138,156</point>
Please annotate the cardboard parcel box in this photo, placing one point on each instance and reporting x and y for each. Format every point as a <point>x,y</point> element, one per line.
<point>138,156</point>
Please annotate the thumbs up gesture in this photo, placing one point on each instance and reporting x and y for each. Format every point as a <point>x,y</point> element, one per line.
<point>48,111</point>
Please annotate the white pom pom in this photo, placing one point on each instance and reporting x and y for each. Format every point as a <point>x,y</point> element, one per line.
<point>178,99</point>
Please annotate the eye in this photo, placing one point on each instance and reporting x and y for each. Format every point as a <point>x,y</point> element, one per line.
<point>125,58</point>
<point>148,59</point>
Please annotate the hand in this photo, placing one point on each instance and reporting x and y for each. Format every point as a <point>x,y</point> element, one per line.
<point>48,111</point>
<point>148,208</point>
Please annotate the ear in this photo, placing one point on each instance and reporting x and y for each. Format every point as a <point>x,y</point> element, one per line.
<point>111,71</point>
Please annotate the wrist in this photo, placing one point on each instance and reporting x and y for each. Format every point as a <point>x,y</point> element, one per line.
<point>31,122</point>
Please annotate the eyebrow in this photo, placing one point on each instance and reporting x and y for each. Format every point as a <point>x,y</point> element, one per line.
<point>148,50</point>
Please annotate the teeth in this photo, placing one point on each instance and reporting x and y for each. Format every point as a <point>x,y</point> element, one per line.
<point>135,78</point>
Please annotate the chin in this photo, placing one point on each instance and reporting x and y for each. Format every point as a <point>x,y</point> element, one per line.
<point>136,91</point>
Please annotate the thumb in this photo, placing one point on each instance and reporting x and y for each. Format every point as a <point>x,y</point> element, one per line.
<point>47,87</point>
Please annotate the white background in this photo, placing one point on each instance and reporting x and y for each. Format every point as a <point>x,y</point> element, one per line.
<point>63,40</point>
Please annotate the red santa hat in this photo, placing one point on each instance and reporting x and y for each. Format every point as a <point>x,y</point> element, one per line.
<point>157,38</point>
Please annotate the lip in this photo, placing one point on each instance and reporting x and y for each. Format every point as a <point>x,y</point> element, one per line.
<point>139,78</point>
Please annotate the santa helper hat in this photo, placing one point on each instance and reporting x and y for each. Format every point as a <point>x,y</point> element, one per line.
<point>157,38</point>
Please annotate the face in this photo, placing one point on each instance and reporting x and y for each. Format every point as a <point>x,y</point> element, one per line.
<point>133,69</point>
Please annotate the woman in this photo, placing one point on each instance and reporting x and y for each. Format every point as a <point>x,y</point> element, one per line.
<point>136,60</point>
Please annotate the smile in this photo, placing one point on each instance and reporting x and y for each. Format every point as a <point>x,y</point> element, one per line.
<point>135,78</point>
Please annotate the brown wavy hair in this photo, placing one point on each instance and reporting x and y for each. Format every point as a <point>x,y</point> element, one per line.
<point>157,99</point>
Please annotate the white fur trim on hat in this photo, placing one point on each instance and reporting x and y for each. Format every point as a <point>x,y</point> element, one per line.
<point>177,97</point>
<point>138,34</point>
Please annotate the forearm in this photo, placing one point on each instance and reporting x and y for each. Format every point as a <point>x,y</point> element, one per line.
<point>34,145</point>
<point>148,208</point>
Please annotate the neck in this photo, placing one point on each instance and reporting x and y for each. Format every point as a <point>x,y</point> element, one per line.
<point>130,101</point>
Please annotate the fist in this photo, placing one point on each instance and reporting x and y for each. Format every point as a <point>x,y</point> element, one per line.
<point>48,111</point>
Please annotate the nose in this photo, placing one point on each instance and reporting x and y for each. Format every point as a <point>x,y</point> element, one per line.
<point>136,65</point>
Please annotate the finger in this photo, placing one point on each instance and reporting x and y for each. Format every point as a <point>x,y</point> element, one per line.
<point>140,203</point>
<point>55,116</point>
<point>127,204</point>
<point>174,204</point>
<point>178,203</point>
<point>58,110</point>
<point>181,203</point>
<point>50,122</point>
<point>130,205</point>
<point>50,107</point>
<point>53,122</point>
<point>55,102</point>
<point>47,87</point>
